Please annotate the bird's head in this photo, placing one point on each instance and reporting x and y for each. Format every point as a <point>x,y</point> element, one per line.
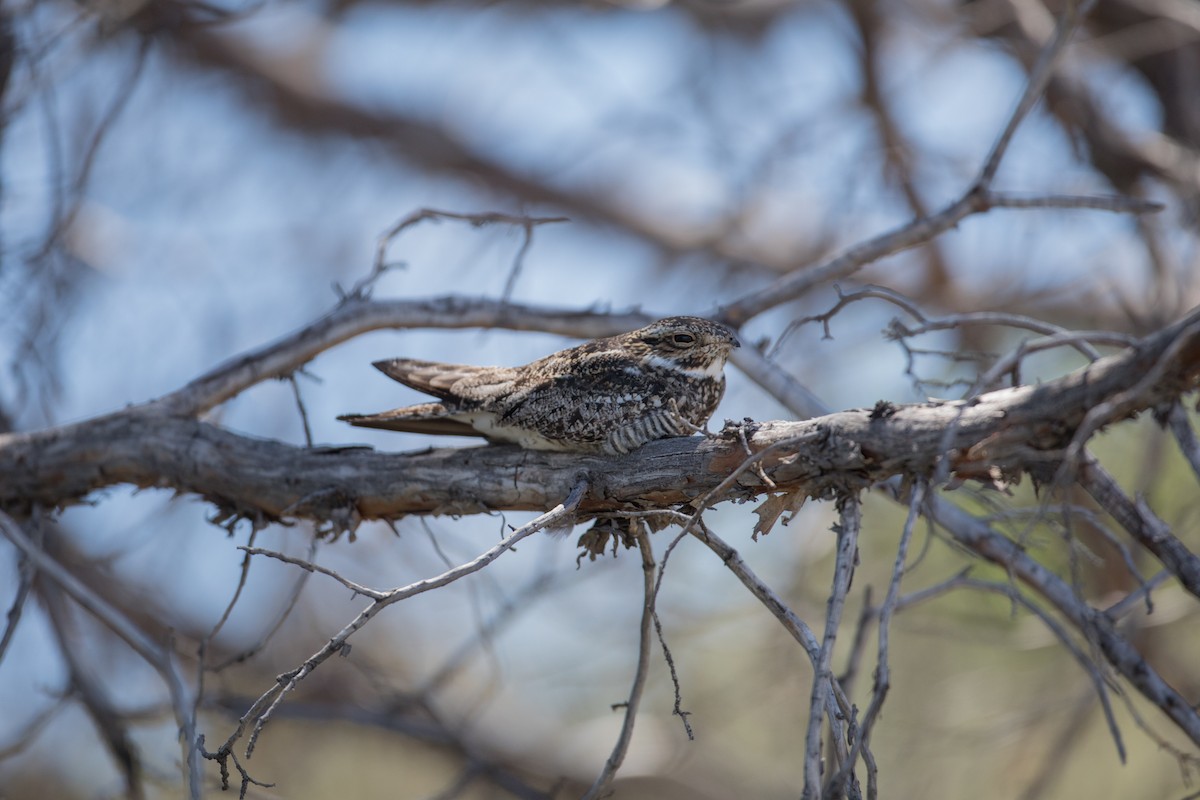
<point>692,344</point>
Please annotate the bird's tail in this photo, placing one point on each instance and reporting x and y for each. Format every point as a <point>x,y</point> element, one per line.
<point>431,418</point>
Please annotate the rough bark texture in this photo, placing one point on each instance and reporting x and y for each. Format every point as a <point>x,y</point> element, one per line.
<point>985,438</point>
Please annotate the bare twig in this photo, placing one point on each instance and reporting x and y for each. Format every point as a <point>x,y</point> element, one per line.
<point>882,673</point>
<point>1039,78</point>
<point>260,712</point>
<point>291,379</point>
<point>685,526</point>
<point>927,324</point>
<point>1140,594</point>
<point>677,710</point>
<point>527,224</point>
<point>1141,523</point>
<point>308,566</point>
<point>1118,204</point>
<point>206,642</point>
<point>158,656</point>
<point>976,199</point>
<point>286,607</point>
<point>1185,437</point>
<point>847,554</point>
<point>838,706</point>
<point>613,763</point>
<point>518,264</point>
<point>25,575</point>
<point>1120,403</point>
<point>1095,625</point>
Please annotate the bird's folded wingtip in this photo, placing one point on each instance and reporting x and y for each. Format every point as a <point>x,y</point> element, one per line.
<point>383,364</point>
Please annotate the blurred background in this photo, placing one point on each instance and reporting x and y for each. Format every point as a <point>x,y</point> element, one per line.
<point>183,181</point>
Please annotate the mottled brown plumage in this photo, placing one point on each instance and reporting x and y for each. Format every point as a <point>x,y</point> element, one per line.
<point>609,395</point>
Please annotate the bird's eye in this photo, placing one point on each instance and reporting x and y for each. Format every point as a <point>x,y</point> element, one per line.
<point>683,339</point>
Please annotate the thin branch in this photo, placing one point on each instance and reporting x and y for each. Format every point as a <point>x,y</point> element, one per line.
<point>979,538</point>
<point>838,706</point>
<point>25,574</point>
<point>527,224</point>
<point>977,198</point>
<point>291,379</point>
<point>518,264</point>
<point>1118,204</point>
<point>847,554</point>
<point>926,323</point>
<point>206,642</point>
<point>308,566</point>
<point>1082,341</point>
<point>1119,404</point>
<point>286,608</point>
<point>605,778</point>
<point>260,712</point>
<point>1039,78</point>
<point>883,671</point>
<point>1094,671</point>
<point>658,627</point>
<point>1141,523</point>
<point>1185,437</point>
<point>158,656</point>
<point>1140,594</point>
<point>670,659</point>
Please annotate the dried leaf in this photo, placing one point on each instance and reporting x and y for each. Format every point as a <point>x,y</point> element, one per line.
<point>773,508</point>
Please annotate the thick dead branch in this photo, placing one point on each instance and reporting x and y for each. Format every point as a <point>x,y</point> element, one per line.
<point>996,433</point>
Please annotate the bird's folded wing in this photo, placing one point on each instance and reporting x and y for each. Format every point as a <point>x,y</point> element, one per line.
<point>447,381</point>
<point>431,418</point>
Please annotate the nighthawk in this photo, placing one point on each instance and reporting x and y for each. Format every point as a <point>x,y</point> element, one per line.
<point>609,395</point>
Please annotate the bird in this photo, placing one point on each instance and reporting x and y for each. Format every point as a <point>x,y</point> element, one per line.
<point>607,396</point>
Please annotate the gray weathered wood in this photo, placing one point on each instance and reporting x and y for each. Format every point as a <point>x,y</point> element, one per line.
<point>998,432</point>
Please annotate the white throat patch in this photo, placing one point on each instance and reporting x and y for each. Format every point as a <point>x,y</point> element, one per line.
<point>713,370</point>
